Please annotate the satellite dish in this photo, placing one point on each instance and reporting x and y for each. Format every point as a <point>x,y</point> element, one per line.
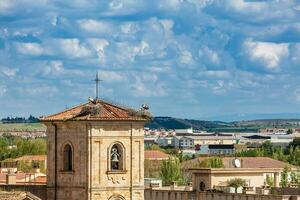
<point>237,163</point>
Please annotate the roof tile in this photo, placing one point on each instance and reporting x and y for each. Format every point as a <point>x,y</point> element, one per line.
<point>99,110</point>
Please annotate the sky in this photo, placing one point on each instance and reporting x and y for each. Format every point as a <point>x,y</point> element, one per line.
<point>185,58</point>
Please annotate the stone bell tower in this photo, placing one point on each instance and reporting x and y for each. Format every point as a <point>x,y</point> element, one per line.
<point>96,152</point>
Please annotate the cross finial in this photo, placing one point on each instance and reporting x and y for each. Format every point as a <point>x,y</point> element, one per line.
<point>97,80</point>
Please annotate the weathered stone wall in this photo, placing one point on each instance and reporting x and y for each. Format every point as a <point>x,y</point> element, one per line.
<point>91,178</point>
<point>286,191</point>
<point>128,183</point>
<point>37,190</point>
<point>70,185</point>
<point>193,195</point>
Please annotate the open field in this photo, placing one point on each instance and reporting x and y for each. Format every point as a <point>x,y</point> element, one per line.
<point>26,127</point>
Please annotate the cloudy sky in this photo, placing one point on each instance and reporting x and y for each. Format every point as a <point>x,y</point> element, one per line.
<point>185,58</point>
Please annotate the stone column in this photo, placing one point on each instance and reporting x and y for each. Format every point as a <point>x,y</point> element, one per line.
<point>276,179</point>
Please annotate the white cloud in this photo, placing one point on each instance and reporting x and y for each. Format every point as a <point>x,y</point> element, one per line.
<point>5,6</point>
<point>8,71</point>
<point>53,68</point>
<point>9,7</point>
<point>167,24</point>
<point>3,90</point>
<point>148,85</point>
<point>31,49</point>
<point>129,27</point>
<point>186,57</point>
<point>297,94</point>
<point>116,4</point>
<point>207,54</point>
<point>269,54</point>
<point>41,90</point>
<point>95,26</point>
<point>99,45</point>
<point>170,4</point>
<point>218,74</point>
<point>74,48</point>
<point>241,5</point>
<point>111,76</point>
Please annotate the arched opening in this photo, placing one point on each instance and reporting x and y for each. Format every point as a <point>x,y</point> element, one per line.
<point>117,157</point>
<point>116,197</point>
<point>67,158</point>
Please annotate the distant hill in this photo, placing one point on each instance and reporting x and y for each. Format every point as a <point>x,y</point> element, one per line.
<point>177,123</point>
<point>254,116</point>
<point>219,126</point>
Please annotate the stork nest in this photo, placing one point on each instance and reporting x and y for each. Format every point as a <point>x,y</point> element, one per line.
<point>140,113</point>
<point>90,109</point>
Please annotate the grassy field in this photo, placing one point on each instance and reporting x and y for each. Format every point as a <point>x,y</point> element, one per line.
<point>30,127</point>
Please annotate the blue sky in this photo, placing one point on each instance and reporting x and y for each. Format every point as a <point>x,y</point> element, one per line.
<point>185,58</point>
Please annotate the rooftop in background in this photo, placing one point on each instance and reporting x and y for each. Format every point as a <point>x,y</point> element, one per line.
<point>246,162</point>
<point>26,178</point>
<point>99,110</point>
<point>156,155</point>
<point>17,195</point>
<point>32,157</point>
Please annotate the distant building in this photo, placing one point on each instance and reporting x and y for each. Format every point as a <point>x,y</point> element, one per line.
<point>22,178</point>
<point>17,195</point>
<point>156,155</point>
<point>253,170</point>
<point>184,131</point>
<point>221,149</point>
<point>149,141</point>
<point>37,162</point>
<point>186,142</point>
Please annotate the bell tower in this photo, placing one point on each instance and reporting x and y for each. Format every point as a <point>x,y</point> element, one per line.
<point>96,152</point>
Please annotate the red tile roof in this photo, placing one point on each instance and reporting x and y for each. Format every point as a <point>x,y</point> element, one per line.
<point>26,178</point>
<point>156,155</point>
<point>17,195</point>
<point>246,162</point>
<point>32,157</point>
<point>99,110</point>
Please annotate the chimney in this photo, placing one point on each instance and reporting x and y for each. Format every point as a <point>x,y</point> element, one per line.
<point>10,178</point>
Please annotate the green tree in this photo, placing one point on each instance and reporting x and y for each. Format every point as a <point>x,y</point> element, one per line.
<point>278,154</point>
<point>267,148</point>
<point>294,178</point>
<point>284,181</point>
<point>289,131</point>
<point>270,181</point>
<point>236,183</point>
<point>295,143</point>
<point>170,171</point>
<point>154,147</point>
<point>25,166</point>
<point>213,162</point>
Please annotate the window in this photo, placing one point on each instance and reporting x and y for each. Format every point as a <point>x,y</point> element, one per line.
<point>202,186</point>
<point>67,158</point>
<point>117,157</point>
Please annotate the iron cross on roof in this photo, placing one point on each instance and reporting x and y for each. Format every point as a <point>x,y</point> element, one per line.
<point>97,80</point>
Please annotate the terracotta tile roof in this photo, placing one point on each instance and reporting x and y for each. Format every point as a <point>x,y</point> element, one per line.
<point>156,155</point>
<point>17,195</point>
<point>99,110</point>
<point>26,178</point>
<point>246,162</point>
<point>32,157</point>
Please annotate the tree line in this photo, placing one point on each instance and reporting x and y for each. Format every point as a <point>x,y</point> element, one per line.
<point>13,147</point>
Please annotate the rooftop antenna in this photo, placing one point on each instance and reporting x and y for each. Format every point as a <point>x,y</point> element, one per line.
<point>97,80</point>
